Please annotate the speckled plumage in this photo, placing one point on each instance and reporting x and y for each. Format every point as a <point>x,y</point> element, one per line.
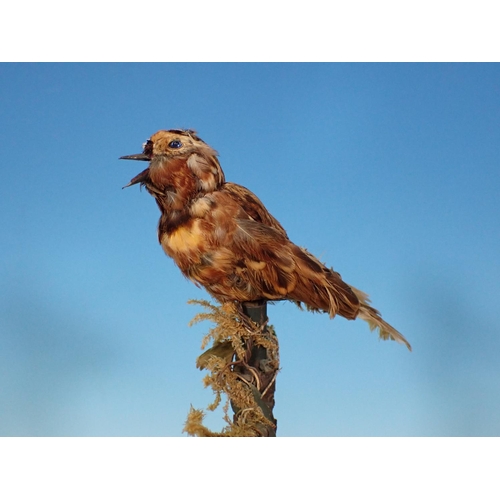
<point>223,238</point>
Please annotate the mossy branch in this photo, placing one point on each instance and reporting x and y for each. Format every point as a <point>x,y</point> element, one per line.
<point>242,365</point>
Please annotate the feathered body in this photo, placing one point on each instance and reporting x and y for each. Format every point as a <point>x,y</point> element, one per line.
<point>223,238</point>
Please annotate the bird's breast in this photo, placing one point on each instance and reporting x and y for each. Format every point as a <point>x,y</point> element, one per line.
<point>186,243</point>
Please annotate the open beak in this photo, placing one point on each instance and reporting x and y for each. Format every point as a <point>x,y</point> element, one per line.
<point>144,175</point>
<point>140,157</point>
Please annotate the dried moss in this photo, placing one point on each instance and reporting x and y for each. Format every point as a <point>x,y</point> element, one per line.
<point>230,375</point>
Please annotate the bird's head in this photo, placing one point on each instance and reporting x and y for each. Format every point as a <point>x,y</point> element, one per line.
<point>179,162</point>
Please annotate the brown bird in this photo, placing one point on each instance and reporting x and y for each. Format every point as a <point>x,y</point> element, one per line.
<point>222,237</point>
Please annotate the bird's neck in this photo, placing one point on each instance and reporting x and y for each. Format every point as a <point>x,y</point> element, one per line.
<point>172,184</point>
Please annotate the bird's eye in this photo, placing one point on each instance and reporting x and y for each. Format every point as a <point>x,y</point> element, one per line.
<point>175,144</point>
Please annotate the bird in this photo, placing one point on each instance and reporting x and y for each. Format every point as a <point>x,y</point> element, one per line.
<point>222,237</point>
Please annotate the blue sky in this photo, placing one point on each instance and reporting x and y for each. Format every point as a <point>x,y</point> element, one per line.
<point>387,172</point>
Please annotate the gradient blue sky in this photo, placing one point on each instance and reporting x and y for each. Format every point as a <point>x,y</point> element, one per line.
<point>387,172</point>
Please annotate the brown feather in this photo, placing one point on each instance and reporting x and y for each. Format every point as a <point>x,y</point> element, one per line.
<point>223,238</point>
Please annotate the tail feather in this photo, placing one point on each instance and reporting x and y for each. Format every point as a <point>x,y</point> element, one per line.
<point>375,321</point>
<point>322,289</point>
